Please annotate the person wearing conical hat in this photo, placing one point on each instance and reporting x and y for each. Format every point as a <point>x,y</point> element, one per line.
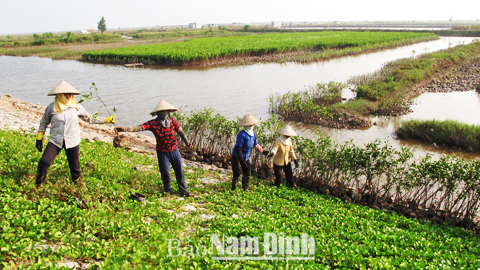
<point>63,116</point>
<point>282,151</point>
<point>164,128</point>
<point>246,140</point>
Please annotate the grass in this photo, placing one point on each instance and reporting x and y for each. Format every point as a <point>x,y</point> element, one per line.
<point>452,133</point>
<point>28,51</point>
<point>357,106</point>
<point>41,227</point>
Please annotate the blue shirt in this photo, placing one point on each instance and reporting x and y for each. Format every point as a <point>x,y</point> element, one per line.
<point>246,142</point>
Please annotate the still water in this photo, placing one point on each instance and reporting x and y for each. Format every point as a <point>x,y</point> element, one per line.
<point>231,91</point>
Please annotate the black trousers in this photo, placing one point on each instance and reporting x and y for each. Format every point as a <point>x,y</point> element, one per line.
<point>51,151</point>
<point>237,168</point>
<point>287,169</point>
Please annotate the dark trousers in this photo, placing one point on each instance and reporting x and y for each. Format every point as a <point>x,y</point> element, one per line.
<point>287,169</point>
<point>164,161</point>
<point>237,168</point>
<point>51,151</point>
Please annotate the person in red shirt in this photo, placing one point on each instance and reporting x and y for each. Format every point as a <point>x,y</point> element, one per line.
<point>164,128</point>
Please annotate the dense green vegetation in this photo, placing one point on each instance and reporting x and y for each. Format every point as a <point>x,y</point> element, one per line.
<point>45,226</point>
<point>376,171</point>
<point>452,133</point>
<point>313,103</point>
<point>206,49</point>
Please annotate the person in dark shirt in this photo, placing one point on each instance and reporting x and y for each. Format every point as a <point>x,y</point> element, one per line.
<point>246,140</point>
<point>164,128</point>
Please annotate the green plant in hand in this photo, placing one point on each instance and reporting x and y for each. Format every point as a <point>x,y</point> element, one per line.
<point>94,94</point>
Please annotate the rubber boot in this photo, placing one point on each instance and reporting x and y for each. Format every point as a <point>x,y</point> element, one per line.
<point>77,180</point>
<point>277,182</point>
<point>41,173</point>
<point>168,189</point>
<point>290,181</point>
<point>234,183</point>
<point>245,180</point>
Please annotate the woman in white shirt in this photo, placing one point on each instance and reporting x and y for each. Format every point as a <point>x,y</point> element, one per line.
<point>63,116</point>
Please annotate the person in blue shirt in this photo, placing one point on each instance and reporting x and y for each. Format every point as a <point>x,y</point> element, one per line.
<point>246,140</point>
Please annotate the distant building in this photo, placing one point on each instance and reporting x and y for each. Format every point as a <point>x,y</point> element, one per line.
<point>195,25</point>
<point>88,31</point>
<point>276,24</point>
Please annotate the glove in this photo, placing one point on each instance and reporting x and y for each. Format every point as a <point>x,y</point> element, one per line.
<point>270,154</point>
<point>110,119</point>
<point>265,153</point>
<point>296,163</point>
<point>39,145</point>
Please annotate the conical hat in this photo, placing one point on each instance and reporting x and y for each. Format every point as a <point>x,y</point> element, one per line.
<point>248,120</point>
<point>163,106</point>
<point>63,88</point>
<point>287,130</point>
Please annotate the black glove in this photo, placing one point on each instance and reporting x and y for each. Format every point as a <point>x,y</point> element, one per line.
<point>39,145</point>
<point>296,163</point>
<point>265,153</point>
<point>270,154</point>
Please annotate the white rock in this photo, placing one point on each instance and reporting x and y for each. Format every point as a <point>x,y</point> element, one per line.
<point>207,216</point>
<point>68,264</point>
<point>190,208</point>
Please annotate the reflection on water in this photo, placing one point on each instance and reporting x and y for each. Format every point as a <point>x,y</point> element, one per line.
<point>231,91</point>
<point>460,106</point>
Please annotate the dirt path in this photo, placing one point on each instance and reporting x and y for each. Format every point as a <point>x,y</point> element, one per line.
<point>16,114</point>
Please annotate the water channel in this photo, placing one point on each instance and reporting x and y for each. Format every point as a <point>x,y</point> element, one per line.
<point>234,91</point>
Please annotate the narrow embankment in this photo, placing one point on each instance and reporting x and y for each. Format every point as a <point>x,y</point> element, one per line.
<point>386,92</point>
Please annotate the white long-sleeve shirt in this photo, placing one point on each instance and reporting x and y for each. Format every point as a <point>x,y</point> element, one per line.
<point>65,126</point>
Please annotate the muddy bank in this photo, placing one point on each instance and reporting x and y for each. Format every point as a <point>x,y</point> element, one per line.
<point>460,79</point>
<point>341,120</point>
<point>16,114</point>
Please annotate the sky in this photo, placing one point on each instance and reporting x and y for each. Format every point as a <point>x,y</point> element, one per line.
<point>39,16</point>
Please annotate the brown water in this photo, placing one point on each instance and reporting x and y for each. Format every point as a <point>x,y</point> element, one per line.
<point>231,91</point>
